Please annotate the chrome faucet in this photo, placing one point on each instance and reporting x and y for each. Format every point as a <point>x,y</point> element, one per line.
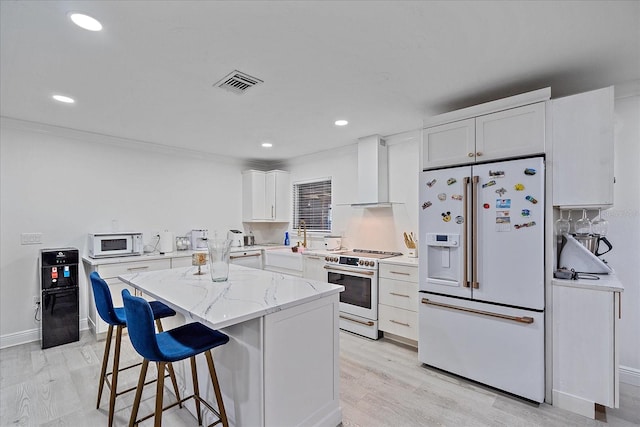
<point>304,229</point>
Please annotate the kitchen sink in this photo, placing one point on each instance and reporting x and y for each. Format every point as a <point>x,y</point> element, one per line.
<point>283,259</point>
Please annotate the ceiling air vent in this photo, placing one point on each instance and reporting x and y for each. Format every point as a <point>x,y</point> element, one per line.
<point>237,82</point>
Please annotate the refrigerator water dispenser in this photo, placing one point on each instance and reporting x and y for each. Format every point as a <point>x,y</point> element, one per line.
<point>443,258</point>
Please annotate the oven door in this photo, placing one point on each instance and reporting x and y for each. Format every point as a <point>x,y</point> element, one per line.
<point>360,296</point>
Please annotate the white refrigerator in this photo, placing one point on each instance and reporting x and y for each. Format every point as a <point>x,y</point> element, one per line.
<point>481,269</point>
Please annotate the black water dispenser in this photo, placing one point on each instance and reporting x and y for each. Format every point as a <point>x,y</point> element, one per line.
<point>59,296</point>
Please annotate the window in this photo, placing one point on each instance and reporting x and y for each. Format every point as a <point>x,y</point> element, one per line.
<point>312,203</point>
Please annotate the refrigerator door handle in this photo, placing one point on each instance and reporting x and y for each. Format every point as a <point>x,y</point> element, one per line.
<point>474,254</point>
<point>519,319</point>
<point>465,251</point>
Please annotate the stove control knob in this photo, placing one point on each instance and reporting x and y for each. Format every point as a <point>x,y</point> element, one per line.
<point>370,263</point>
<point>326,258</point>
<point>360,262</point>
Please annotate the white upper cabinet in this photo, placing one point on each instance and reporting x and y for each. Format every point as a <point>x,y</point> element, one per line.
<point>265,196</point>
<point>505,128</point>
<point>510,133</point>
<point>582,132</point>
<point>449,144</point>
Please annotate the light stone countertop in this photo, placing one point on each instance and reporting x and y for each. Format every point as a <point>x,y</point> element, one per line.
<point>175,254</point>
<point>607,282</point>
<point>248,294</point>
<point>400,260</point>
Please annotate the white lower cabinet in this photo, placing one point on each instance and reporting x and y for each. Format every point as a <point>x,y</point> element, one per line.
<point>110,272</point>
<point>313,268</point>
<point>585,348</point>
<point>398,300</point>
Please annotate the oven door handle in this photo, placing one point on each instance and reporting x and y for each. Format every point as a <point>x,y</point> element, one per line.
<point>367,273</point>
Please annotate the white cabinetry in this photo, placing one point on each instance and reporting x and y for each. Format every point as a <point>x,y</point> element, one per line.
<point>510,133</point>
<point>265,196</point>
<point>250,258</point>
<point>448,144</point>
<point>313,268</point>
<point>110,272</point>
<point>585,346</point>
<point>398,300</point>
<point>582,133</point>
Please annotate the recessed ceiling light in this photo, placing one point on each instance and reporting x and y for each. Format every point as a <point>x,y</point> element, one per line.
<point>65,99</point>
<point>341,123</point>
<point>86,22</point>
<point>267,144</point>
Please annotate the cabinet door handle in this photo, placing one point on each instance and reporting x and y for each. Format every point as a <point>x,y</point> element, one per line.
<point>399,295</point>
<point>144,267</point>
<point>619,305</point>
<point>272,216</point>
<point>470,154</point>
<point>243,256</point>
<point>400,272</point>
<point>313,257</point>
<point>479,153</point>
<point>399,323</point>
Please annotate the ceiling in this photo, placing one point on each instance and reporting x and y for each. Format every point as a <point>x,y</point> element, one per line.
<point>148,76</point>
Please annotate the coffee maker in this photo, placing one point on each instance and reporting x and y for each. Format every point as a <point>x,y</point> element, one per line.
<point>199,239</point>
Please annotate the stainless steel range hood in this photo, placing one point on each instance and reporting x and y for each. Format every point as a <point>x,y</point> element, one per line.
<point>373,173</point>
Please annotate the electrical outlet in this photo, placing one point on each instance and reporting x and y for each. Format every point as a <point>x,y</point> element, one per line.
<point>36,301</point>
<point>31,238</point>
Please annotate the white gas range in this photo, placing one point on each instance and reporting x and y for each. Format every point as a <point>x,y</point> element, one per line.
<point>357,271</point>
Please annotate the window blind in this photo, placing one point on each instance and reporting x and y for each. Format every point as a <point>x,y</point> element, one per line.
<point>312,203</point>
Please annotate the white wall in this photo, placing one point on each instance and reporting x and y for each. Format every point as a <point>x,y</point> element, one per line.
<point>379,228</point>
<point>624,230</point>
<point>67,186</point>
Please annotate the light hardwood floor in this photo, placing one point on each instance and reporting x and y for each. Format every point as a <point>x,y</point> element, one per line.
<point>382,384</point>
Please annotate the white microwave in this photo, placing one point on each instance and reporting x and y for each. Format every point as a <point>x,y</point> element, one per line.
<point>103,245</point>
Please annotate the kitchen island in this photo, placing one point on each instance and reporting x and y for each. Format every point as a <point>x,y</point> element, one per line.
<point>280,367</point>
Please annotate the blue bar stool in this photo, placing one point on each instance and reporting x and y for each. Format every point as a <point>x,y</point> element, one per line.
<point>183,342</point>
<point>115,316</point>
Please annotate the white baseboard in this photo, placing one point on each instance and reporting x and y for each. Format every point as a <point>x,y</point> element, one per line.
<point>630,375</point>
<point>31,335</point>
<point>572,403</point>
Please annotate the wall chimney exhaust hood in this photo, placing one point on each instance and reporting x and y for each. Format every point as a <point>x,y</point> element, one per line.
<point>373,173</point>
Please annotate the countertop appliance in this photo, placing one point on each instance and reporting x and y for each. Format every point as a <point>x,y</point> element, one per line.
<point>574,255</point>
<point>249,240</point>
<point>102,245</point>
<point>332,243</point>
<point>481,273</point>
<point>357,271</point>
<point>236,237</point>
<point>199,239</point>
<point>59,296</point>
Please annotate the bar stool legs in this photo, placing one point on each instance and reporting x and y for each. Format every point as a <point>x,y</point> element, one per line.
<point>221,413</point>
<point>113,385</point>
<point>216,389</point>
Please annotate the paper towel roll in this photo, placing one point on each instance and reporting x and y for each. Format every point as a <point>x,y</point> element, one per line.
<point>167,239</point>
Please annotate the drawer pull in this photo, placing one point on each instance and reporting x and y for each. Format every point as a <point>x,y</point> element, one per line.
<point>144,267</point>
<point>399,295</point>
<point>313,257</point>
<point>368,323</point>
<point>399,323</point>
<point>243,256</point>
<point>523,319</point>
<point>400,272</point>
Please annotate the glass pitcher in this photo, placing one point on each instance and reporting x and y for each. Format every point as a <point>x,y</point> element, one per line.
<point>219,259</point>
